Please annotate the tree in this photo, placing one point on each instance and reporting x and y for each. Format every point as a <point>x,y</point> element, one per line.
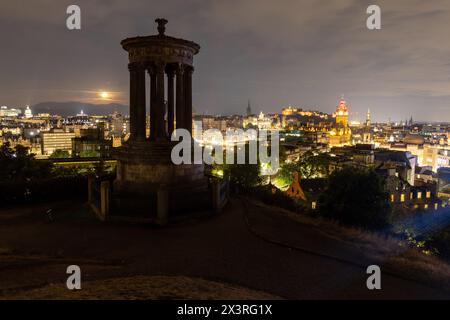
<point>240,175</point>
<point>19,164</point>
<point>311,165</point>
<point>308,166</point>
<point>285,176</point>
<point>243,175</point>
<point>60,154</point>
<point>356,197</point>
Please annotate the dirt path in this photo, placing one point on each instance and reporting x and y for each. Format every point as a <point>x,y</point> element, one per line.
<point>35,253</point>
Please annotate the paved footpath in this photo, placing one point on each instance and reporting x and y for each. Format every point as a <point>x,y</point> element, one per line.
<point>219,248</point>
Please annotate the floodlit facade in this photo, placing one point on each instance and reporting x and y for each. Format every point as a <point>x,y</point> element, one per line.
<point>340,134</point>
<point>56,140</point>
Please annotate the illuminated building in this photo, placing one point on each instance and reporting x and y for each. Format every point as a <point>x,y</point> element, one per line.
<point>56,140</point>
<point>5,112</point>
<point>91,143</point>
<point>341,133</point>
<point>297,112</point>
<point>116,142</point>
<point>367,134</point>
<point>10,130</point>
<point>81,118</point>
<point>28,113</point>
<point>289,111</point>
<point>251,121</point>
<point>262,121</point>
<point>341,114</point>
<point>210,122</point>
<point>398,170</point>
<point>429,155</point>
<point>444,182</point>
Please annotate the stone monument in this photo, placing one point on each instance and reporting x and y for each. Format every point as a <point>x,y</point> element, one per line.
<point>147,180</point>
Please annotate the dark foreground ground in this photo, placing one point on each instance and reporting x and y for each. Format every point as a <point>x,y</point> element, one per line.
<point>247,251</point>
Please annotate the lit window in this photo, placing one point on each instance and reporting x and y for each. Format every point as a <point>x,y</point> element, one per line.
<point>416,206</point>
<point>314,205</point>
<point>411,196</point>
<point>402,197</point>
<point>392,198</point>
<point>436,206</point>
<point>425,206</point>
<point>428,194</point>
<point>419,195</point>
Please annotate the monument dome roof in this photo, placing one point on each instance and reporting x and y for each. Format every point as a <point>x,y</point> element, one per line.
<point>160,47</point>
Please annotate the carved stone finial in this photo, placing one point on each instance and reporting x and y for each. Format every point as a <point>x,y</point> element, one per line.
<point>161,25</point>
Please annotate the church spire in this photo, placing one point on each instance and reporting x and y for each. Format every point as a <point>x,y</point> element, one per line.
<point>249,108</point>
<point>368,122</point>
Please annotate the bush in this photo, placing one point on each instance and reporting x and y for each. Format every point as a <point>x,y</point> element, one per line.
<point>24,179</point>
<point>357,198</point>
<point>60,154</point>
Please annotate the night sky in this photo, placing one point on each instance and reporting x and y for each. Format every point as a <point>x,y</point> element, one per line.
<point>302,52</point>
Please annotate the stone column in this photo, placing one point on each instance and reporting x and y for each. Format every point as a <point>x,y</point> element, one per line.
<point>140,105</point>
<point>188,99</point>
<point>104,200</point>
<point>170,101</point>
<point>133,107</point>
<point>160,127</point>
<point>153,102</point>
<point>180,96</point>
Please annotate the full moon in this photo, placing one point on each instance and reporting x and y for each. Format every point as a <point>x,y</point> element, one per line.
<point>104,95</point>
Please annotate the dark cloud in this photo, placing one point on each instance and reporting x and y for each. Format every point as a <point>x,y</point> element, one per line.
<point>301,52</point>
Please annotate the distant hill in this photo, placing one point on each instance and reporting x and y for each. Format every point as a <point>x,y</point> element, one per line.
<point>73,108</point>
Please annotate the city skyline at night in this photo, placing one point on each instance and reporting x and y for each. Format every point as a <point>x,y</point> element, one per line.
<point>226,156</point>
<point>302,54</point>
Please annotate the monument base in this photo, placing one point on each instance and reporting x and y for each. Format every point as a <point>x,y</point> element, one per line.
<point>149,185</point>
